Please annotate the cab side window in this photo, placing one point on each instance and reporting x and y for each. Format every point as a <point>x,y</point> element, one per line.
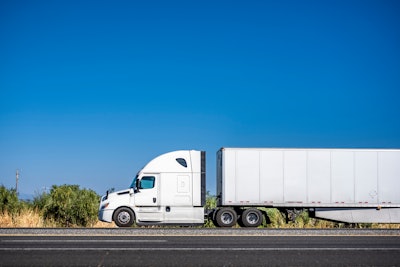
<point>147,182</point>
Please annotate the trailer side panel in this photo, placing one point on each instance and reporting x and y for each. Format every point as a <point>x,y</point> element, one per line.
<point>308,177</point>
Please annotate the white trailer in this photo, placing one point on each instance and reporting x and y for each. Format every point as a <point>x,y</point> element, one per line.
<point>347,185</point>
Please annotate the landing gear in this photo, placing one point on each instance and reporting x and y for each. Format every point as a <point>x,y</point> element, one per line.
<point>291,214</point>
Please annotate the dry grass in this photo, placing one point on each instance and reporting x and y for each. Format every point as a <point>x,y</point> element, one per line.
<point>386,226</point>
<point>26,218</point>
<point>100,224</point>
<point>29,218</point>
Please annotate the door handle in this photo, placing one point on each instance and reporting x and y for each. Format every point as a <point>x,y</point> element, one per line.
<point>154,200</point>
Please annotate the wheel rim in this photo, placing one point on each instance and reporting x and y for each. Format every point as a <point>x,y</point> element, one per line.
<point>124,217</point>
<point>226,218</point>
<point>252,218</point>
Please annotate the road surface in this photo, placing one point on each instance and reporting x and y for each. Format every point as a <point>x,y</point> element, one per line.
<point>216,248</point>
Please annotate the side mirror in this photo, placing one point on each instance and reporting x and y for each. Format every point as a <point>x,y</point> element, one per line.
<point>137,185</point>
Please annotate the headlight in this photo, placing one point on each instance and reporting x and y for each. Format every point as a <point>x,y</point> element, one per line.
<point>105,206</point>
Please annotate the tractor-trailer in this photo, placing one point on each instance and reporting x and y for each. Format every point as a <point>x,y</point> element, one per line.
<point>344,185</point>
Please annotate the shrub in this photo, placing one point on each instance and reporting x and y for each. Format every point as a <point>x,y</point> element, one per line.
<point>40,200</point>
<point>275,218</point>
<point>67,205</point>
<point>211,203</point>
<point>9,201</point>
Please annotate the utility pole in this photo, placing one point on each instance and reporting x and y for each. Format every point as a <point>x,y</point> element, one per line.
<point>16,181</point>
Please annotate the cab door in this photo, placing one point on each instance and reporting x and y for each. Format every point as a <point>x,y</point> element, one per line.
<point>147,199</point>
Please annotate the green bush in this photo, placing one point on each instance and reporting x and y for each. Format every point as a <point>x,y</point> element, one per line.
<point>211,203</point>
<point>275,218</point>
<point>9,201</point>
<point>68,205</point>
<point>40,200</point>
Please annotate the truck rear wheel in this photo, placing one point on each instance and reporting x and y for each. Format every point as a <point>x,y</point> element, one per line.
<point>251,217</point>
<point>226,217</point>
<point>123,217</point>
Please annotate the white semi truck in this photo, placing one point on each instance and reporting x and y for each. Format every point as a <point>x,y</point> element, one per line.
<point>344,185</point>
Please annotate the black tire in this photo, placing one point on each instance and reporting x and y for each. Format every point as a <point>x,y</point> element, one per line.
<point>251,217</point>
<point>226,217</point>
<point>124,217</point>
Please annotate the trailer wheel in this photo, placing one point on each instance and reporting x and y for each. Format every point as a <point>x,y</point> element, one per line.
<point>226,217</point>
<point>124,217</point>
<point>252,217</point>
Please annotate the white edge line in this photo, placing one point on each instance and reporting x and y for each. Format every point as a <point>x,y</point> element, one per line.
<point>397,234</point>
<point>199,249</point>
<point>80,241</point>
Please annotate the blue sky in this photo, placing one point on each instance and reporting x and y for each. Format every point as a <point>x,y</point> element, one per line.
<point>90,91</point>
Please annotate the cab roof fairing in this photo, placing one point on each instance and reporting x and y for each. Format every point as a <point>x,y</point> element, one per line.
<point>168,162</point>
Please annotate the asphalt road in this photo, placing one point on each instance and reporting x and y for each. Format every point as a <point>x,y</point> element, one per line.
<point>307,249</point>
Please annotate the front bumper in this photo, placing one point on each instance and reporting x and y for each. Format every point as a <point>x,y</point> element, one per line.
<point>105,215</point>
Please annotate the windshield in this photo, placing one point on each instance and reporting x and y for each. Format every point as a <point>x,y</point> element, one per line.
<point>133,184</point>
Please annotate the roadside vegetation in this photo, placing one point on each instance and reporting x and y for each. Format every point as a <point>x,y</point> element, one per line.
<point>63,206</point>
<point>71,206</point>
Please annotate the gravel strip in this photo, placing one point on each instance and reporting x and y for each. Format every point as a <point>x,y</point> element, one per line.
<point>196,232</point>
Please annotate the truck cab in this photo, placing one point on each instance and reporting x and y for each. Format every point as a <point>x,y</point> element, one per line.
<point>170,189</point>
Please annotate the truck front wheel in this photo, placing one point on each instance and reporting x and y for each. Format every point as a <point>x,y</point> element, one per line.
<point>123,217</point>
<point>252,217</point>
<point>226,217</point>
